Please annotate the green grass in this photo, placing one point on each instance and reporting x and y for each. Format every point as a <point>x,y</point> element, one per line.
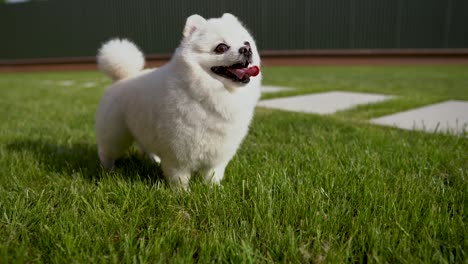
<point>302,188</point>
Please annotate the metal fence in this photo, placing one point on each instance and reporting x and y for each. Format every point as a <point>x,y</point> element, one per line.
<point>51,29</point>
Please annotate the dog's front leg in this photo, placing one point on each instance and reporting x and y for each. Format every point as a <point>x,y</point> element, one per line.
<point>215,175</point>
<point>176,177</point>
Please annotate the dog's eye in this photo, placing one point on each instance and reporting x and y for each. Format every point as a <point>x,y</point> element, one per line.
<point>221,48</point>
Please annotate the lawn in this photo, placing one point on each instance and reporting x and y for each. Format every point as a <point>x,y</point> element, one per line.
<point>302,188</point>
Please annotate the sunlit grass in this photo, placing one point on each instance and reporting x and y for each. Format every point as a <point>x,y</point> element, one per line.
<point>302,188</point>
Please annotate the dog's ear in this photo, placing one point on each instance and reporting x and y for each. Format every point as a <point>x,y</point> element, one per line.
<point>230,17</point>
<point>192,24</point>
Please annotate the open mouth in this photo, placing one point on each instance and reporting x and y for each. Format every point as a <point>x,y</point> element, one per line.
<point>239,72</point>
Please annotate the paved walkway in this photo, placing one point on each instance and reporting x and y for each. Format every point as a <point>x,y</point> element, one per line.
<point>323,103</point>
<point>450,116</point>
<point>274,89</point>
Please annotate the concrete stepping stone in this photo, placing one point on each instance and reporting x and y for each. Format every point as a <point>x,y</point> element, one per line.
<point>450,116</point>
<point>89,84</point>
<point>323,103</point>
<point>66,83</point>
<point>274,89</point>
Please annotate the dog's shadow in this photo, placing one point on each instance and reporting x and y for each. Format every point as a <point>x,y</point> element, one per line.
<point>82,158</point>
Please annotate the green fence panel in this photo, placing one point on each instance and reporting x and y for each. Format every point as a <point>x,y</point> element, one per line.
<point>66,28</point>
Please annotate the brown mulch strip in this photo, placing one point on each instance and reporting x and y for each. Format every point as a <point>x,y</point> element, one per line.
<point>267,60</point>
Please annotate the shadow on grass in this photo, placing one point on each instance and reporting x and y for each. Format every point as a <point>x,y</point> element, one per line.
<point>82,158</point>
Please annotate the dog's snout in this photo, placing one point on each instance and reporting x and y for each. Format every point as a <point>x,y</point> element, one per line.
<point>246,51</point>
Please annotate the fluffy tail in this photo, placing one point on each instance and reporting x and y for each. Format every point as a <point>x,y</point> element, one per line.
<point>120,59</point>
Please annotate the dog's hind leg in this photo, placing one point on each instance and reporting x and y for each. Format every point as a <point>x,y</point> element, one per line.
<point>108,154</point>
<point>106,161</point>
<point>112,146</point>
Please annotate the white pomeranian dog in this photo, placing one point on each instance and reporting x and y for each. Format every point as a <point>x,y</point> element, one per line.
<point>193,112</point>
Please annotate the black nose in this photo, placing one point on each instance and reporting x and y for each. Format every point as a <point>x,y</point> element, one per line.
<point>246,51</point>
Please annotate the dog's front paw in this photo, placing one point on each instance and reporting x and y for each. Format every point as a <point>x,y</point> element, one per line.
<point>176,177</point>
<point>154,158</point>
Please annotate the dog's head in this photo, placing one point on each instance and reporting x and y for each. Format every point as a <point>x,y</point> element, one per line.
<point>223,48</point>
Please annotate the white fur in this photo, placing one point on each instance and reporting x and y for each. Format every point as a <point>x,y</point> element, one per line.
<point>191,118</point>
<point>120,58</point>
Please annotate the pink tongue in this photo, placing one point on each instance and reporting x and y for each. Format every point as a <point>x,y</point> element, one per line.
<point>245,72</point>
